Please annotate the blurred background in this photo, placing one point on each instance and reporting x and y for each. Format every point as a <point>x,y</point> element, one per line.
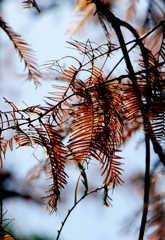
<point>47,33</point>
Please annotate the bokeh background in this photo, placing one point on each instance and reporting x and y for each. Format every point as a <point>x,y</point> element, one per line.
<point>47,34</point>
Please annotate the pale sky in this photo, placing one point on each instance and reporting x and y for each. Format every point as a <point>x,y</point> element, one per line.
<point>90,220</point>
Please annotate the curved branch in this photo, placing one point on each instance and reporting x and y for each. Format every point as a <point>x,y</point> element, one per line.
<point>69,211</point>
<point>146,188</point>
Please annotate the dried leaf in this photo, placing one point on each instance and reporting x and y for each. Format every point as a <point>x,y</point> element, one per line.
<point>24,51</point>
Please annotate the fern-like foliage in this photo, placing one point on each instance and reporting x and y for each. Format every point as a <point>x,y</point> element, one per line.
<point>43,135</point>
<point>92,129</point>
<point>84,11</point>
<point>24,51</point>
<point>31,4</point>
<point>101,110</point>
<point>156,219</point>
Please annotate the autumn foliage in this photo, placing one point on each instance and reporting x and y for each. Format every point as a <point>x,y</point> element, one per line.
<point>97,109</point>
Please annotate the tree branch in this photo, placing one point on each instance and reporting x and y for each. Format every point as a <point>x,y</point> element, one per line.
<point>146,188</point>
<point>69,211</point>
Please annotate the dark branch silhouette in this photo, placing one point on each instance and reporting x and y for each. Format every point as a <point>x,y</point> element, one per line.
<point>101,110</point>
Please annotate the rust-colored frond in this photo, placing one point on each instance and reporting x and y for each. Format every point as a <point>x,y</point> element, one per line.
<point>113,171</point>
<point>35,172</point>
<point>12,119</point>
<point>31,4</point>
<point>81,4</point>
<point>3,147</point>
<point>35,110</point>
<point>85,10</point>
<point>56,151</point>
<point>45,136</point>
<point>24,51</point>
<point>60,107</point>
<point>24,137</point>
<point>131,102</point>
<point>57,114</point>
<point>152,89</point>
<point>131,9</point>
<point>48,138</point>
<point>85,15</point>
<point>97,125</point>
<point>130,106</point>
<point>52,113</point>
<point>57,96</point>
<point>68,74</point>
<point>156,221</point>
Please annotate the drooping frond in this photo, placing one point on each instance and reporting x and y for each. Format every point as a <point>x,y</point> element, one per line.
<point>149,86</point>
<point>57,158</point>
<point>24,50</point>
<point>156,221</point>
<point>84,15</point>
<point>48,138</point>
<point>42,134</point>
<point>95,132</point>
<point>31,4</point>
<point>85,11</point>
<point>96,126</point>
<point>60,106</point>
<point>100,113</point>
<point>152,89</point>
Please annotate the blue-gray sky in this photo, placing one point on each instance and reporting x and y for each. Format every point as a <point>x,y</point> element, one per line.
<point>90,220</point>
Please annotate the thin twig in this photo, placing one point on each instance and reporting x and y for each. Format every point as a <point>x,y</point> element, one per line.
<point>119,78</point>
<point>70,210</point>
